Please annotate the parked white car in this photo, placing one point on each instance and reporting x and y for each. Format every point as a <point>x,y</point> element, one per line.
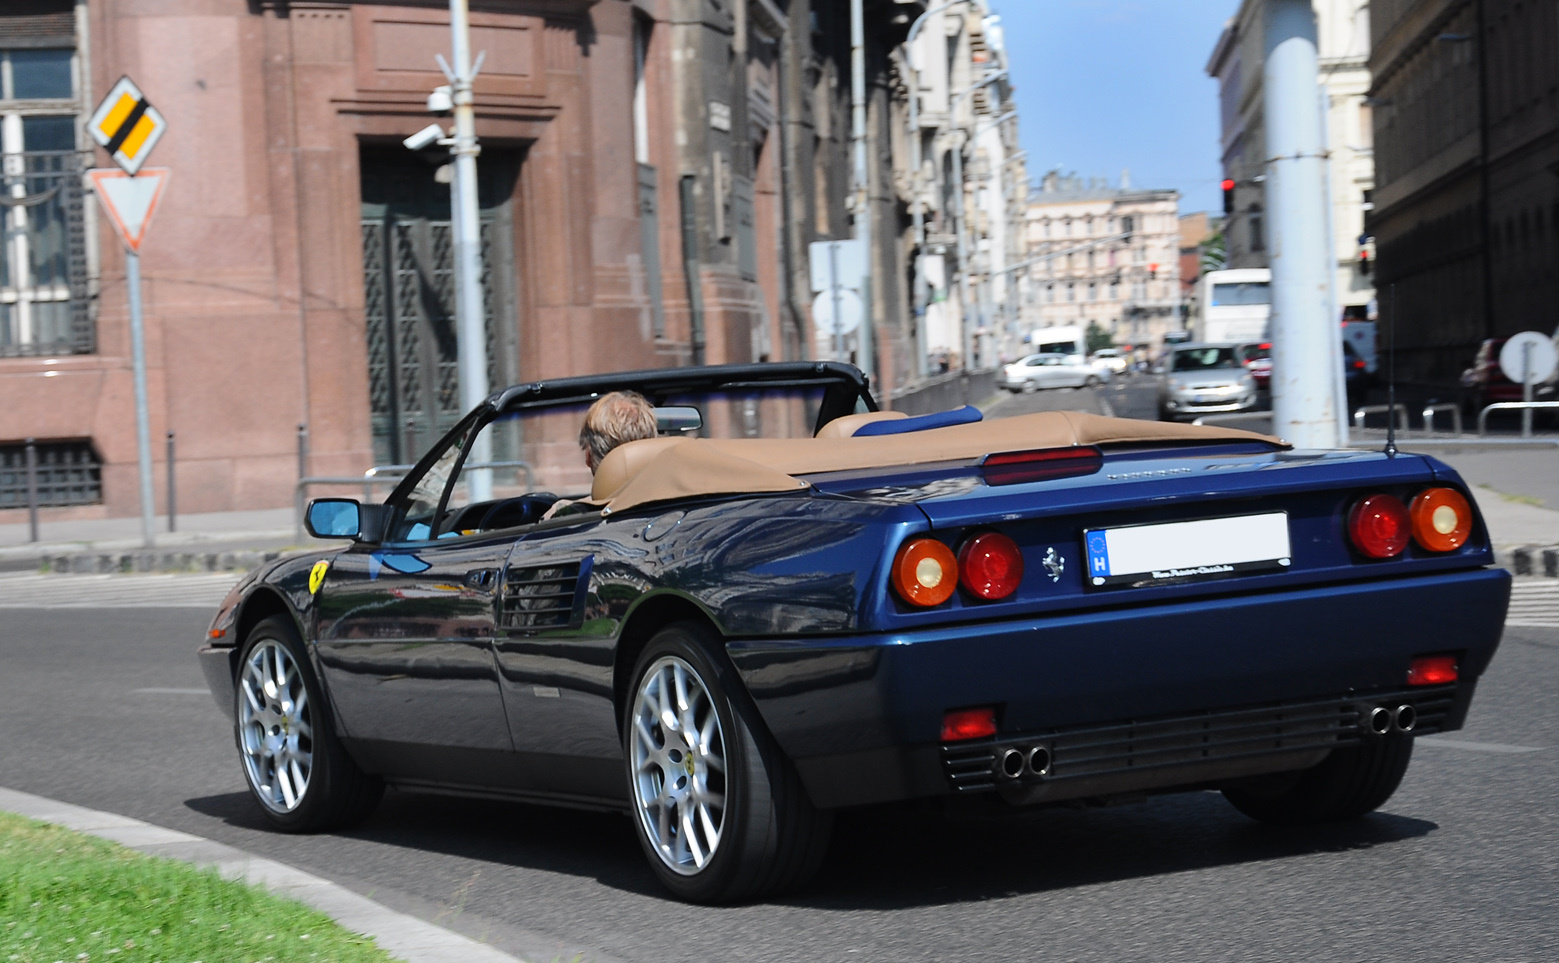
<point>1052,371</point>
<point>1109,359</point>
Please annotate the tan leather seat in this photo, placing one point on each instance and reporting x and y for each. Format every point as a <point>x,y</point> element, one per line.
<point>624,462</point>
<point>850,424</point>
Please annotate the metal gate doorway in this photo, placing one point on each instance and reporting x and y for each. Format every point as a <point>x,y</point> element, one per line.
<point>409,294</point>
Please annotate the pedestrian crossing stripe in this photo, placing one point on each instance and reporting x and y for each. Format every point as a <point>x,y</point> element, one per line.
<point>126,125</point>
<point>1534,602</point>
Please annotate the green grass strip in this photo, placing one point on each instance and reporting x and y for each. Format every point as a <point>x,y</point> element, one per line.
<point>69,897</point>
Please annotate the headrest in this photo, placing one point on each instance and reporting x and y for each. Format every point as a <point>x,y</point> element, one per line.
<point>625,461</point>
<point>967,415</point>
<point>846,426</point>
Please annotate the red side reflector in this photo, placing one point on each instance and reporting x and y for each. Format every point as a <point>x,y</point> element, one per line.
<point>1040,464</point>
<point>1432,670</point>
<point>968,724</point>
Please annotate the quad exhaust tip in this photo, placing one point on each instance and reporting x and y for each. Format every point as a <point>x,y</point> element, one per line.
<point>1405,718</point>
<point>1379,720</point>
<point>1039,761</point>
<point>1016,762</point>
<point>1010,763</point>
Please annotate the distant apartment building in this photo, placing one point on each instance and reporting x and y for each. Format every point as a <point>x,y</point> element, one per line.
<point>1466,216</point>
<point>1107,255</point>
<point>1237,62</point>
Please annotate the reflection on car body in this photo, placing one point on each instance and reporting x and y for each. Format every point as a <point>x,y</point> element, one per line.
<point>756,627</point>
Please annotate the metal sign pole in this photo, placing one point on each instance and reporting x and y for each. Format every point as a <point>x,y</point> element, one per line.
<point>143,430</point>
<point>472,339</point>
<point>1526,389</point>
<point>833,290</point>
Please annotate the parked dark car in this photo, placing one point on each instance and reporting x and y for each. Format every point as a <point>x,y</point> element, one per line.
<point>1485,383</point>
<point>732,636</point>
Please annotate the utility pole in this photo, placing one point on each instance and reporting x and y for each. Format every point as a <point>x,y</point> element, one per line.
<point>1306,340</point>
<point>863,201</point>
<point>469,307</point>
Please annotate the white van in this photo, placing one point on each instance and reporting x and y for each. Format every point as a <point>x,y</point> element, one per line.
<point>1062,339</point>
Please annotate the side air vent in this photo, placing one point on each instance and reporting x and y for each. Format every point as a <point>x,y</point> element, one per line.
<point>540,597</point>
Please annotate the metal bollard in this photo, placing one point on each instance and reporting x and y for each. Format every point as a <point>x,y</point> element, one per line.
<point>32,490</point>
<point>172,502</point>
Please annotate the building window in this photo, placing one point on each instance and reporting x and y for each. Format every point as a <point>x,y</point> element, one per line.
<point>1093,291</point>
<point>43,253</point>
<point>1115,290</point>
<point>641,113</point>
<point>65,473</point>
<point>1045,223</point>
<point>1066,226</point>
<point>1071,291</point>
<point>1258,239</point>
<point>1050,294</point>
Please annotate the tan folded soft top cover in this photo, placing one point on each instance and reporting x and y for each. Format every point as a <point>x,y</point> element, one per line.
<point>661,469</point>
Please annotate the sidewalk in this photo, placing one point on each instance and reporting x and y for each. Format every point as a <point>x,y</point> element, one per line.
<point>199,543</point>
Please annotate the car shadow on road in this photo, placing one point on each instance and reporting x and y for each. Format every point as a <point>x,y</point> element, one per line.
<point>882,858</point>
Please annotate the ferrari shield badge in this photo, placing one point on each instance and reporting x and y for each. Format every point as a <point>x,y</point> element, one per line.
<point>317,575</point>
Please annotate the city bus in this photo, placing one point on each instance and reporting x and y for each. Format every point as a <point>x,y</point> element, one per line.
<point>1236,305</point>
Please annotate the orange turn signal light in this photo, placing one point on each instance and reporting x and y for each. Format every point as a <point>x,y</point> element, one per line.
<point>924,572</point>
<point>1442,519</point>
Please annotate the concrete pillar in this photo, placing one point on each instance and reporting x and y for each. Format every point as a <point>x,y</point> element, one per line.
<point>1306,339</point>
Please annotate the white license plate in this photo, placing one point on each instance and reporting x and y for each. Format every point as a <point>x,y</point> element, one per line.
<point>1174,552</point>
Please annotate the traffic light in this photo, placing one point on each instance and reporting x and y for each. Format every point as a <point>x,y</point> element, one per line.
<point>1228,196</point>
<point>1364,262</point>
<point>1152,272</point>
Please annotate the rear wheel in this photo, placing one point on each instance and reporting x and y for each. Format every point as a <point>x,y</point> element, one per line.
<point>1345,785</point>
<point>293,763</point>
<point>719,810</point>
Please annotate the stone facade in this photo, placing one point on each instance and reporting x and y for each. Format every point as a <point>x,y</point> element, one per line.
<point>1110,255</point>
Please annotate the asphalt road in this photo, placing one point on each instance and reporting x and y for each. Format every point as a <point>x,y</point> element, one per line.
<point>106,708</point>
<point>1128,396</point>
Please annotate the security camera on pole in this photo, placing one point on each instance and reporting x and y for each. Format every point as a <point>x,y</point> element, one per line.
<point>470,323</point>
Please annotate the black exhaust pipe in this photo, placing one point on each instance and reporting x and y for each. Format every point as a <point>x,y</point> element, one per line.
<point>1378,721</point>
<point>1009,763</point>
<point>1405,718</point>
<point>1039,761</point>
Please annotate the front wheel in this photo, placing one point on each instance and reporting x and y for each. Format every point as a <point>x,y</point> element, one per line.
<point>294,765</point>
<point>1092,382</point>
<point>719,810</point>
<point>1345,785</point>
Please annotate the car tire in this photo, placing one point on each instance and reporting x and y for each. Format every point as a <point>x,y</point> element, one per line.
<point>1091,382</point>
<point>270,738</point>
<point>1346,785</point>
<point>769,836</point>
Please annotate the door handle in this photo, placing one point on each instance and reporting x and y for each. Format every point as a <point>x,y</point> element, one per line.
<point>482,578</point>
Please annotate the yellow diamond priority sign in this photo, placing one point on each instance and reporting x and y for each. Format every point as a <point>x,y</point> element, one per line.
<point>127,126</point>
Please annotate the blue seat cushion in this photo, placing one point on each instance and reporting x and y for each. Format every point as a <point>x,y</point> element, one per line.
<point>966,415</point>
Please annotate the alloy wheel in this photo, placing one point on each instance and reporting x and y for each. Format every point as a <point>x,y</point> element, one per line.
<point>275,727</point>
<point>679,765</point>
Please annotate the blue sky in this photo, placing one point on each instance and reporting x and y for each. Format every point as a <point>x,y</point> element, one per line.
<point>1111,84</point>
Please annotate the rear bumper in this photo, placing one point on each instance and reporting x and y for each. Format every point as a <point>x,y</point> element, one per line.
<point>861,716</point>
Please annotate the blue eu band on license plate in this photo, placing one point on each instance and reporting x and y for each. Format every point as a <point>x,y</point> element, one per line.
<point>1193,551</point>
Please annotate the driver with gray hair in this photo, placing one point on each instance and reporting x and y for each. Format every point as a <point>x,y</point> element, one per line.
<point>617,417</point>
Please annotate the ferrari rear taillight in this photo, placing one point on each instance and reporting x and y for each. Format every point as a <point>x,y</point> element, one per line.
<point>1432,670</point>
<point>1442,519</point>
<point>1379,526</point>
<point>924,572</point>
<point>959,724</point>
<point>990,566</point>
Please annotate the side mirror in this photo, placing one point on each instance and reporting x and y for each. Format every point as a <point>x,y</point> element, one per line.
<point>334,518</point>
<point>678,419</point>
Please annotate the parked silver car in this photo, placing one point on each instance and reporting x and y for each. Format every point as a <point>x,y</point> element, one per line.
<point>1051,371</point>
<point>1205,379</point>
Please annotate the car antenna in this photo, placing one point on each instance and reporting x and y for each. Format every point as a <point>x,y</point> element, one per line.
<point>1391,376</point>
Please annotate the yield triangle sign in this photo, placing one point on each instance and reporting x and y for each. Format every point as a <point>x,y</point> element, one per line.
<point>129,201</point>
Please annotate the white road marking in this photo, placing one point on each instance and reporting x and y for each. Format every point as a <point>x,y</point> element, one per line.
<point>1534,603</point>
<point>1475,746</point>
<point>33,591</point>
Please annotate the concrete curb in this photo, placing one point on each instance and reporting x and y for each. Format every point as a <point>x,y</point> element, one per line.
<point>1539,560</point>
<point>407,937</point>
<point>114,563</point>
